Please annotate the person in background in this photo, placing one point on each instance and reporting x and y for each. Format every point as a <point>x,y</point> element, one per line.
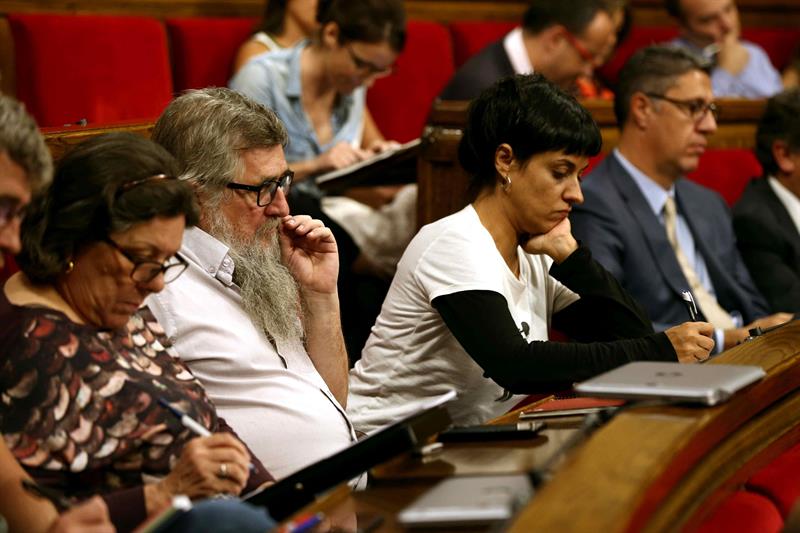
<point>791,74</point>
<point>26,168</point>
<point>85,366</point>
<point>711,29</point>
<point>285,23</point>
<point>256,315</point>
<point>657,232</point>
<point>767,216</point>
<point>561,40</point>
<point>476,292</point>
<point>622,17</point>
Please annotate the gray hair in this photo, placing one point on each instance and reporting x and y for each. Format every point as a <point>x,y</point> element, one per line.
<point>654,69</point>
<point>205,130</point>
<point>21,140</point>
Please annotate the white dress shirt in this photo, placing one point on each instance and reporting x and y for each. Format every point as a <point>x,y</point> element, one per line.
<point>273,397</point>
<point>517,53</point>
<point>788,199</point>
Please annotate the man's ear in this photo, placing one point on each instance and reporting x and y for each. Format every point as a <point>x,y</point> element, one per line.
<point>330,34</point>
<point>783,157</point>
<point>641,110</point>
<point>504,159</point>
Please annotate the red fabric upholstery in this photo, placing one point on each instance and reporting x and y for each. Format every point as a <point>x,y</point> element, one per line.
<point>99,68</point>
<point>779,43</point>
<point>470,37</point>
<point>399,103</point>
<point>727,171</point>
<point>639,37</point>
<point>780,480</point>
<point>203,49</point>
<point>744,512</point>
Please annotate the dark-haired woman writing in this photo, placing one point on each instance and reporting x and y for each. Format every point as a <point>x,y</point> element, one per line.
<point>475,293</point>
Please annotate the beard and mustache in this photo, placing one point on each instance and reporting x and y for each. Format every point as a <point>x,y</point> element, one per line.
<point>270,294</point>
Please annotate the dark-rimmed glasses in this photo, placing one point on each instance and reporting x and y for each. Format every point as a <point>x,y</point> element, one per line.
<point>697,108</point>
<point>10,208</point>
<point>145,271</point>
<point>367,66</point>
<point>267,189</point>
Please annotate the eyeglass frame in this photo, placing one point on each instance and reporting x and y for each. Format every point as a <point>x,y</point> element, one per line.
<point>584,52</point>
<point>688,105</point>
<point>14,209</point>
<point>368,66</point>
<point>163,267</point>
<point>282,182</point>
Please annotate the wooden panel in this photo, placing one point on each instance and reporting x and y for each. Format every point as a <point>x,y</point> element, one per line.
<point>7,75</point>
<point>443,184</point>
<point>60,140</point>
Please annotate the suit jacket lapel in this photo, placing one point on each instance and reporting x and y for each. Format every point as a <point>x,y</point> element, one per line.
<point>778,210</point>
<point>654,234</point>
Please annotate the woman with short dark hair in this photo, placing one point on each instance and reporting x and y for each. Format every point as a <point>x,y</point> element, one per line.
<point>84,364</point>
<point>476,292</point>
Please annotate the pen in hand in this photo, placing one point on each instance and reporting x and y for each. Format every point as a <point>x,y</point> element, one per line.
<point>688,299</point>
<point>190,423</point>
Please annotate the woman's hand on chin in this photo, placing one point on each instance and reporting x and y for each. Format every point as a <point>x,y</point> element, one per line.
<point>558,243</point>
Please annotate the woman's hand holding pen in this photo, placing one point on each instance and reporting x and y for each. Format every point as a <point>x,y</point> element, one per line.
<point>692,341</point>
<point>206,467</point>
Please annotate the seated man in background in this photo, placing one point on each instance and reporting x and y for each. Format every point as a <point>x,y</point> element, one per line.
<point>711,28</point>
<point>658,233</point>
<point>767,217</point>
<point>256,314</point>
<point>561,40</point>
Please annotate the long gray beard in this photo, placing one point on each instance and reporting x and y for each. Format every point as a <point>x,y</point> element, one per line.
<point>270,294</point>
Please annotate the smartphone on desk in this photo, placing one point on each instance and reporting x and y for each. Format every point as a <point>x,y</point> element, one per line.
<point>520,430</point>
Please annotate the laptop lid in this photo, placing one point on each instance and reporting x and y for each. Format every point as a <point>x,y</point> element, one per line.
<point>290,494</point>
<point>704,384</point>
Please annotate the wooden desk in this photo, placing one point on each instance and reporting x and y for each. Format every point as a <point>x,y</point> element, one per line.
<point>649,469</point>
<point>443,184</point>
<point>60,140</point>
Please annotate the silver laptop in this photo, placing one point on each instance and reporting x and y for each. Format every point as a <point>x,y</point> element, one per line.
<point>675,382</point>
<point>468,501</point>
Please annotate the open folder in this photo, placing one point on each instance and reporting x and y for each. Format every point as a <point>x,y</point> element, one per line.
<point>396,165</point>
<point>293,492</point>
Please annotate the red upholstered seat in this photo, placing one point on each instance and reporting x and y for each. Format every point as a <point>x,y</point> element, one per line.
<point>399,103</point>
<point>743,512</point>
<point>639,37</point>
<point>99,68</point>
<point>203,49</point>
<point>470,37</point>
<point>778,43</point>
<point>780,480</point>
<point>727,171</point>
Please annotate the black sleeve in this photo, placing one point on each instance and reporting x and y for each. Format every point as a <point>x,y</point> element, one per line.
<point>605,311</point>
<point>483,325</point>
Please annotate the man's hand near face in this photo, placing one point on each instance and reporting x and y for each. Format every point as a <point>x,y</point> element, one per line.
<point>309,251</point>
<point>732,56</point>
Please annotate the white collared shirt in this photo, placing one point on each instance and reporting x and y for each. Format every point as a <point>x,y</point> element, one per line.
<point>275,400</point>
<point>516,52</point>
<point>788,199</point>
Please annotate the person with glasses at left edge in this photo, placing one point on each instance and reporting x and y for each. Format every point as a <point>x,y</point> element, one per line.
<point>657,232</point>
<point>85,366</point>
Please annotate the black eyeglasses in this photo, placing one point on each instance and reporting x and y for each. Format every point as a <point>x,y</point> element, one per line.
<point>10,209</point>
<point>266,191</point>
<point>697,108</point>
<point>145,271</point>
<point>367,66</point>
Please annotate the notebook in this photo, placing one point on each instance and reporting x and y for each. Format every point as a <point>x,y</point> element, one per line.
<point>293,492</point>
<point>674,382</point>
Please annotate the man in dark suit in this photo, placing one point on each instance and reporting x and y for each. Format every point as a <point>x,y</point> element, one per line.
<point>656,232</point>
<point>767,217</point>
<point>561,39</point>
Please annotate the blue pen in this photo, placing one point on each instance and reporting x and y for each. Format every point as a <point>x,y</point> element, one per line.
<point>191,424</point>
<point>307,524</point>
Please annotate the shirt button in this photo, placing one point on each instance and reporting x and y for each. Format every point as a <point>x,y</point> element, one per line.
<point>211,270</point>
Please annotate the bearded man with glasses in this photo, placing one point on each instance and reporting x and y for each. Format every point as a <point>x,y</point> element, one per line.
<point>256,314</point>
<point>658,233</point>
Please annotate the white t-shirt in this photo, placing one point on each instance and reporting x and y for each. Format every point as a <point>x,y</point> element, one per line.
<point>411,354</point>
<point>274,399</point>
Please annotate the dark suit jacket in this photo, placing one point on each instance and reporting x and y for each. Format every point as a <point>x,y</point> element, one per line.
<point>626,237</point>
<point>479,72</point>
<point>770,245</point>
